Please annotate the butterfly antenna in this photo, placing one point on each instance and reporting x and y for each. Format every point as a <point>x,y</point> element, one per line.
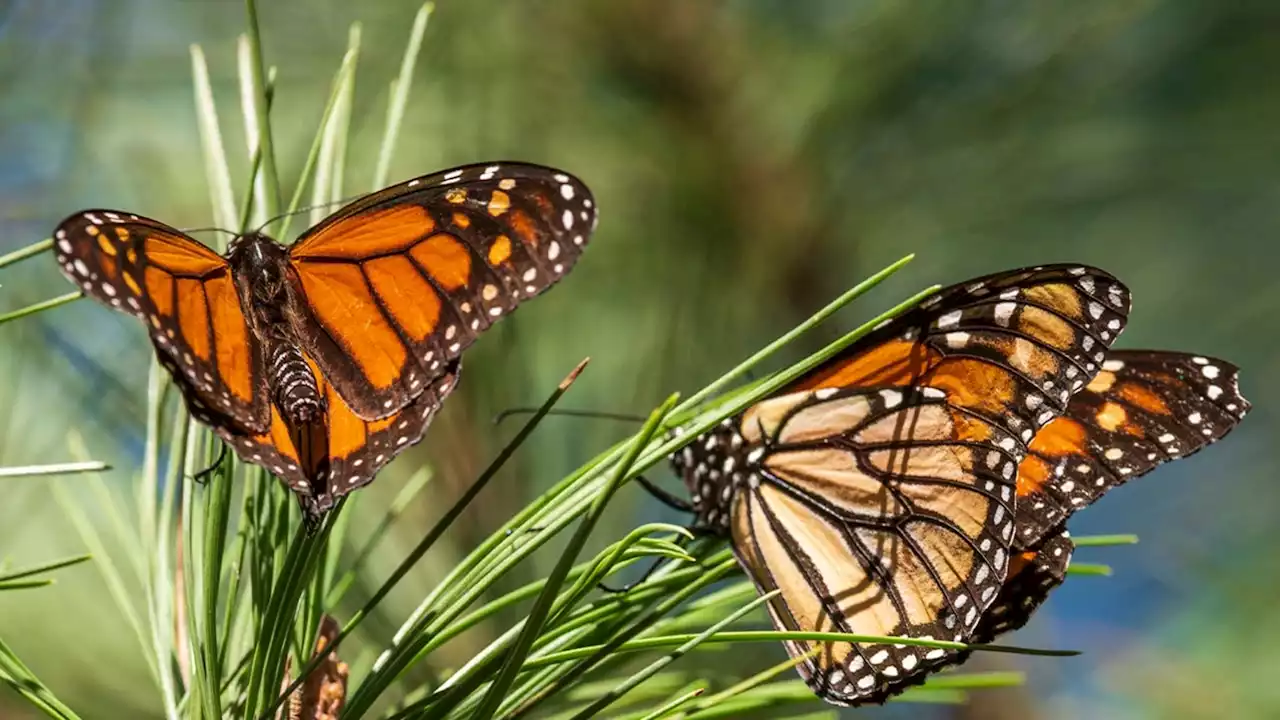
<point>190,231</point>
<point>309,208</point>
<point>596,414</point>
<point>675,503</point>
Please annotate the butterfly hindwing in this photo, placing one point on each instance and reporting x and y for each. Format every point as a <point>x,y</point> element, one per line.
<point>865,532</point>
<point>426,266</point>
<point>1033,574</point>
<point>348,451</point>
<point>186,295</point>
<point>1141,410</point>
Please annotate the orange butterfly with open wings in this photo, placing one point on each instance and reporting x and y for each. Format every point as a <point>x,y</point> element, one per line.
<point>324,359</point>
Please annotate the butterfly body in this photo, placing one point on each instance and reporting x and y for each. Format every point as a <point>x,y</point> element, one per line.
<point>324,359</point>
<point>714,474</point>
<point>269,298</point>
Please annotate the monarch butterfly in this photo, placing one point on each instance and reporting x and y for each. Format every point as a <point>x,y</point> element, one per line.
<point>877,493</point>
<point>1145,408</point>
<point>322,360</point>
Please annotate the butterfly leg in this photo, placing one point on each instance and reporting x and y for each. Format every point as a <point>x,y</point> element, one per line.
<point>203,476</point>
<point>663,496</point>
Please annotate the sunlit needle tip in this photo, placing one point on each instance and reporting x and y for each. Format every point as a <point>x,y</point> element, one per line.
<point>572,376</point>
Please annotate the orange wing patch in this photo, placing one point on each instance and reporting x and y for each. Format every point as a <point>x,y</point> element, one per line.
<point>1047,327</point>
<point>1062,298</point>
<point>499,202</point>
<point>446,259</point>
<point>232,336</point>
<point>193,316</point>
<point>181,256</point>
<point>1112,417</point>
<point>500,250</point>
<point>109,267</point>
<point>347,433</point>
<point>411,300</point>
<point>160,290</point>
<point>524,228</point>
<point>1143,398</point>
<point>131,284</point>
<point>342,302</point>
<point>380,232</point>
<point>974,384</point>
<point>896,362</point>
<point>1061,438</point>
<point>278,438</point>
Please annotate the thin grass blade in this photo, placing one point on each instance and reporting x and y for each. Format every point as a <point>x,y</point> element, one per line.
<point>400,94</point>
<point>215,155</point>
<point>69,468</point>
<point>377,681</point>
<point>542,606</point>
<point>49,304</point>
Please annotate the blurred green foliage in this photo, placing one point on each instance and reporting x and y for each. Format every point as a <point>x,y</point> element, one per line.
<point>751,160</point>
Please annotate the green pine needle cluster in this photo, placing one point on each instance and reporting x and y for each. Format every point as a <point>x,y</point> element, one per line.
<point>234,590</point>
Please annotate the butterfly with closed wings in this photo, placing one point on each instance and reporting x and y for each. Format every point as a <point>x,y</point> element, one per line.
<point>322,360</point>
<point>877,492</point>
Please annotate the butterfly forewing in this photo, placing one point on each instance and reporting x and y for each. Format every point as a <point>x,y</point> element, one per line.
<point>1012,345</point>
<point>427,266</point>
<point>1141,410</point>
<point>189,300</point>
<point>1144,408</point>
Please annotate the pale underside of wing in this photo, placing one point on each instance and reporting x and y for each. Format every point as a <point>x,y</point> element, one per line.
<point>875,513</point>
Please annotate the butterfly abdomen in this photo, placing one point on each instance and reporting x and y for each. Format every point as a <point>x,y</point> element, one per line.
<point>293,385</point>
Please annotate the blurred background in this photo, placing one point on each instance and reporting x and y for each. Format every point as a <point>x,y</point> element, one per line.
<point>751,159</point>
